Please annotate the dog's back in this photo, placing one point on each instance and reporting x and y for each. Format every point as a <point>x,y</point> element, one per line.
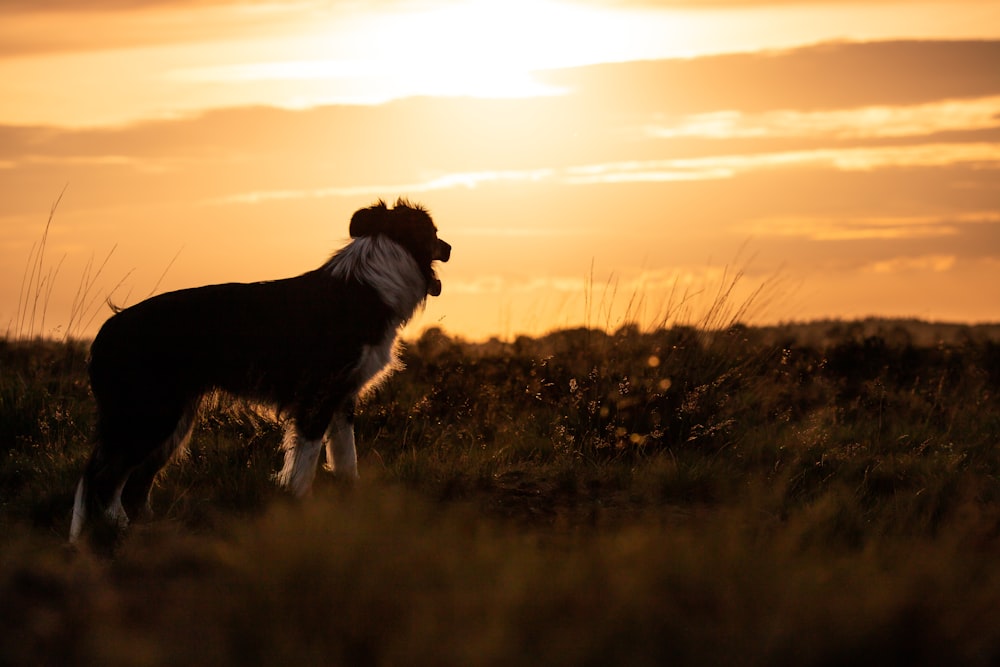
<point>254,339</point>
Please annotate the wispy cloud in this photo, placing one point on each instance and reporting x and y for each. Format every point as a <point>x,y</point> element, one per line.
<point>923,263</point>
<point>840,159</point>
<point>639,171</point>
<point>443,182</point>
<point>867,228</point>
<point>862,123</point>
<point>719,4</point>
<point>149,166</point>
<point>650,171</point>
<point>270,71</point>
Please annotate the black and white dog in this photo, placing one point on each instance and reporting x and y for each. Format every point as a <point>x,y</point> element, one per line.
<point>309,345</point>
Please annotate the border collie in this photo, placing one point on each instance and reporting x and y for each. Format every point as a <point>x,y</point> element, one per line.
<point>309,345</point>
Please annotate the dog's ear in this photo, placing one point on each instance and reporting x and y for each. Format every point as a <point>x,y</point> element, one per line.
<point>369,221</point>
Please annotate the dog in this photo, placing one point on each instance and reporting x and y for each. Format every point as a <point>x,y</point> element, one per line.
<point>308,345</point>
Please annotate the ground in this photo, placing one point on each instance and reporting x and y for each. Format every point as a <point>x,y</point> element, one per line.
<point>822,494</point>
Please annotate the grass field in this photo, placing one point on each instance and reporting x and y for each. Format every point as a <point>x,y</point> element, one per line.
<point>811,495</point>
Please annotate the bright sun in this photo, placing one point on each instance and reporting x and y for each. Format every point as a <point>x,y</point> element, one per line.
<point>482,48</point>
<point>479,48</point>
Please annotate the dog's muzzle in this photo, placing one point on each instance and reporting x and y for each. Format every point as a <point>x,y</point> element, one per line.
<point>442,253</point>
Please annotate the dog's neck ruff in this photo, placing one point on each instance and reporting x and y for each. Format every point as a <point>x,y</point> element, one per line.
<point>387,267</point>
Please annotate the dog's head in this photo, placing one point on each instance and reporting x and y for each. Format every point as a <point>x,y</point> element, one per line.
<point>410,226</point>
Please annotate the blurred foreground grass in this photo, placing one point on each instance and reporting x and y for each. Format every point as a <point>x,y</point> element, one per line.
<point>792,496</point>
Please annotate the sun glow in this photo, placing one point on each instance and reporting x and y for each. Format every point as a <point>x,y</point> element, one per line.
<point>853,142</point>
<point>481,48</point>
<point>476,49</point>
<point>459,49</point>
<point>103,66</point>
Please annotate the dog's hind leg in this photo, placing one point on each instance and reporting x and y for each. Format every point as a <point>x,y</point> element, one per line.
<point>79,514</point>
<point>98,495</point>
<point>126,437</point>
<point>341,454</point>
<point>301,458</point>
<point>135,495</point>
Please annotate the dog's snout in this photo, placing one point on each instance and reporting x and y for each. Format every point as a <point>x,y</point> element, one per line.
<point>443,251</point>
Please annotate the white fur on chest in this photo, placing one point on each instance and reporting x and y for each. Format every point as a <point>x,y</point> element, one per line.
<point>377,362</point>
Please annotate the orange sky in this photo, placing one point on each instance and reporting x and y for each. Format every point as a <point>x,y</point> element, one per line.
<point>589,161</point>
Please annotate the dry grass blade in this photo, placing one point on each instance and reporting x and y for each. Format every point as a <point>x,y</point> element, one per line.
<point>36,284</point>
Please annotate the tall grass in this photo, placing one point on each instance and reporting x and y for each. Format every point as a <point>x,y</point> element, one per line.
<point>708,306</point>
<point>36,285</point>
<point>39,280</point>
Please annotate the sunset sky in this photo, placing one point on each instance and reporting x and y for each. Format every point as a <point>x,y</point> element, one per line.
<point>590,161</point>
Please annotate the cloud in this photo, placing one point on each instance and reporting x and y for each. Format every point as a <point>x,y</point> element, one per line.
<point>924,263</point>
<point>132,5</point>
<point>653,171</point>
<point>47,29</point>
<point>812,78</point>
<point>841,159</point>
<point>790,91</point>
<point>859,123</point>
<point>443,182</point>
<point>729,4</point>
<point>866,227</point>
<point>33,6</point>
<point>144,165</point>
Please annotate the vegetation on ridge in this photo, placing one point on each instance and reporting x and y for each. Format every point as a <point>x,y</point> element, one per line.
<point>741,496</point>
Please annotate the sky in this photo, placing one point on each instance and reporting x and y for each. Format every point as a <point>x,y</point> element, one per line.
<point>592,162</point>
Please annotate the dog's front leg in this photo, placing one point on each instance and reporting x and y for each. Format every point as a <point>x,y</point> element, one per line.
<point>301,458</point>
<point>341,455</point>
